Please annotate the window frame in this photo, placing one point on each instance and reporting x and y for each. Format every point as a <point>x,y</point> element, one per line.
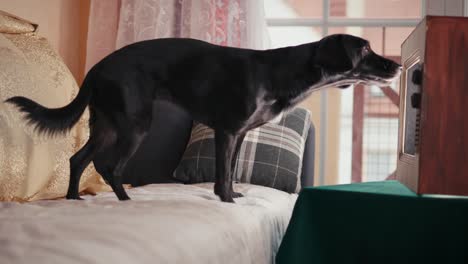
<point>325,22</point>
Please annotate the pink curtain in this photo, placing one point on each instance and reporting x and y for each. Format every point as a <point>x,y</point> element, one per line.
<point>117,23</point>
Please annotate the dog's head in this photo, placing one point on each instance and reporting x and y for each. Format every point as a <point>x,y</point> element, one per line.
<point>348,60</point>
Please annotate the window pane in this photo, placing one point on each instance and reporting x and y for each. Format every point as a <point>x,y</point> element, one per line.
<point>394,36</point>
<point>380,148</point>
<point>379,130</point>
<point>293,8</point>
<point>379,166</point>
<point>291,36</point>
<point>375,91</point>
<point>375,8</point>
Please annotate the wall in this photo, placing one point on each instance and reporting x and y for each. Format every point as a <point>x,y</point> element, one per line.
<point>63,22</point>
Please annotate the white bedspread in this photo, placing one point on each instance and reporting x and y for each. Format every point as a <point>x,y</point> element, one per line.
<point>168,223</point>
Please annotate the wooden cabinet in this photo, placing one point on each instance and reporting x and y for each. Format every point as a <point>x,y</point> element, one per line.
<point>433,130</point>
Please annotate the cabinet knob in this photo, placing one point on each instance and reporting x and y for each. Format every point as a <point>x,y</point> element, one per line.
<point>417,77</point>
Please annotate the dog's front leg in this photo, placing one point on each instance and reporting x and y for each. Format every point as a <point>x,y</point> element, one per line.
<point>239,141</point>
<point>225,147</point>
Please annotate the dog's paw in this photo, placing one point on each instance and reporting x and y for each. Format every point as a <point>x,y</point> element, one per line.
<point>227,199</point>
<point>73,197</point>
<point>237,195</point>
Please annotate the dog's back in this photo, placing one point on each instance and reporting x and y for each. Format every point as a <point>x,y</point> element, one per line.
<point>196,75</point>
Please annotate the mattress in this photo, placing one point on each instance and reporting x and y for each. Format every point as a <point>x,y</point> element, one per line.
<point>163,223</point>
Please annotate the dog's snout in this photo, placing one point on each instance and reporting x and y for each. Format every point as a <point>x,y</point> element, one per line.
<point>390,65</point>
<point>399,69</point>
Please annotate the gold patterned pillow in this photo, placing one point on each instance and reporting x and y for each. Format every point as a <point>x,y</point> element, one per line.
<point>34,167</point>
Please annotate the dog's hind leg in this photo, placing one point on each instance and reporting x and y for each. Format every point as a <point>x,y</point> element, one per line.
<point>240,139</point>
<point>129,140</point>
<point>110,162</point>
<point>78,164</point>
<point>105,162</point>
<point>116,184</point>
<point>101,135</point>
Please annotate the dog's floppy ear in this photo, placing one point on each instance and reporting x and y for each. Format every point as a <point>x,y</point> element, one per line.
<point>332,54</point>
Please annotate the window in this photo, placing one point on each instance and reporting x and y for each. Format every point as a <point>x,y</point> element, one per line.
<point>380,164</point>
<point>343,115</point>
<point>375,91</point>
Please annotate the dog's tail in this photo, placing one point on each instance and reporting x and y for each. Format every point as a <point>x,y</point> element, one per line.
<point>53,121</point>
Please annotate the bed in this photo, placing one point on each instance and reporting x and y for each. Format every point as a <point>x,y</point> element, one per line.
<point>165,222</point>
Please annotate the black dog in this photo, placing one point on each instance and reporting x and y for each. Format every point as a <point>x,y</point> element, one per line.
<point>229,89</point>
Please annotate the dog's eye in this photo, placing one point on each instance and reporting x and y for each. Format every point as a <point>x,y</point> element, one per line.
<point>365,50</point>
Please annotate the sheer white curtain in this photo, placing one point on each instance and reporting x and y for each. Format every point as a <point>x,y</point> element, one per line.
<point>116,23</point>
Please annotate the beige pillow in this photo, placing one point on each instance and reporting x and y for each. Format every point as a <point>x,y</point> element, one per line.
<point>31,166</point>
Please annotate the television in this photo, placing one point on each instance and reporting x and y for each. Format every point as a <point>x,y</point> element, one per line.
<point>433,120</point>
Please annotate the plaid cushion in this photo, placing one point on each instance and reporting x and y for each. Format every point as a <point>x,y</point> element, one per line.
<point>270,155</point>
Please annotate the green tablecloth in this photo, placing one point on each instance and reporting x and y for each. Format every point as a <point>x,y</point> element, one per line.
<point>375,222</point>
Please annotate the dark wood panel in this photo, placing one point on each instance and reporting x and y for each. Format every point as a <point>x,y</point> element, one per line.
<point>444,124</point>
